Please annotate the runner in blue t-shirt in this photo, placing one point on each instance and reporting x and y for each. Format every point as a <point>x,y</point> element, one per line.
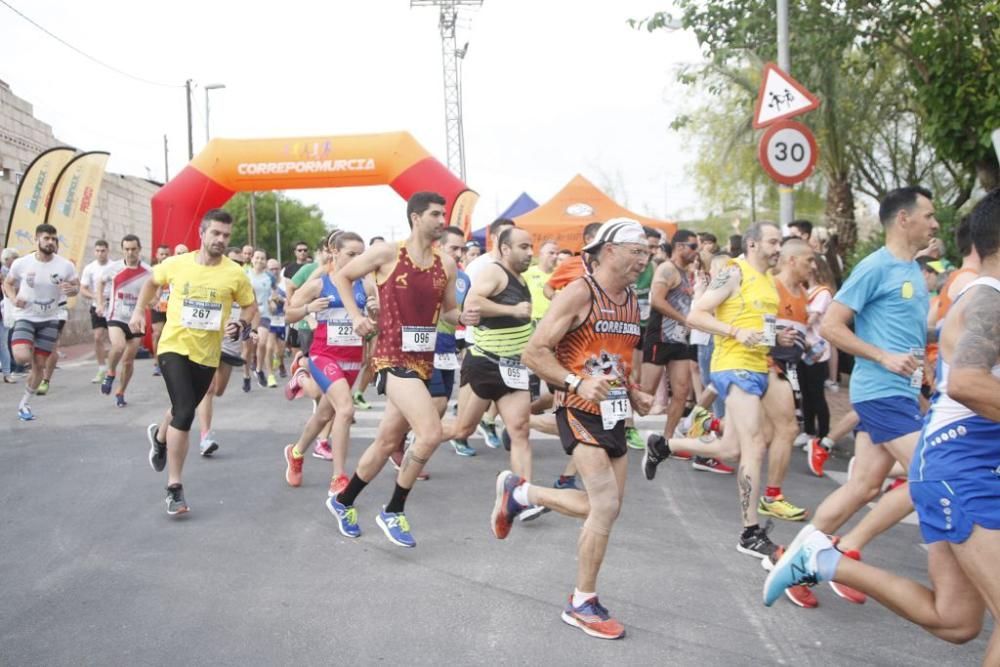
<point>954,478</point>
<point>887,298</point>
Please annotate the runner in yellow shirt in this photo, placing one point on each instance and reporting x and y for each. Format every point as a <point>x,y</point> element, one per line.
<point>203,287</point>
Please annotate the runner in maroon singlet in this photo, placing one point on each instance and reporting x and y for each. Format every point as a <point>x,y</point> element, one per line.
<point>416,286</point>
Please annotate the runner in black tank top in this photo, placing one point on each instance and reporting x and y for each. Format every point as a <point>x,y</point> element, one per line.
<point>492,369</point>
<point>404,357</point>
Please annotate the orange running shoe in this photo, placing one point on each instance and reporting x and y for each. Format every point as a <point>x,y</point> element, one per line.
<point>293,467</point>
<point>817,456</point>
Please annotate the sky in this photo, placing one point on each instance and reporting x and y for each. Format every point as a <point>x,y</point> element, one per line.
<point>551,88</point>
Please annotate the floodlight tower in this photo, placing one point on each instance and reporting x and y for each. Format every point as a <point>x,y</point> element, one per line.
<point>450,55</point>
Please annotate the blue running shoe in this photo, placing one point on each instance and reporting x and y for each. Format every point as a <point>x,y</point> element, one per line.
<point>462,448</point>
<point>347,517</point>
<point>797,565</point>
<point>505,508</point>
<point>107,384</point>
<point>566,482</point>
<point>489,433</point>
<point>25,414</point>
<point>593,618</point>
<point>396,528</point>
<point>120,400</point>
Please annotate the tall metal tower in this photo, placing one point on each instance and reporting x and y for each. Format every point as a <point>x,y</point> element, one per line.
<point>450,55</point>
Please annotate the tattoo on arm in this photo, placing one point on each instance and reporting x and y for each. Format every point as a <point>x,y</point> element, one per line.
<point>745,488</point>
<point>721,279</point>
<point>979,345</point>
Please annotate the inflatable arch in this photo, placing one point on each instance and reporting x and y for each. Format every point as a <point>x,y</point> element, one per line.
<point>227,166</point>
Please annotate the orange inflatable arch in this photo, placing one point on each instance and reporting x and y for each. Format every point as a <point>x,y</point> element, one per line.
<point>227,166</point>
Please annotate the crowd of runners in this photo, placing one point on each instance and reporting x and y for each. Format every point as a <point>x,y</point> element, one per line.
<point>734,347</point>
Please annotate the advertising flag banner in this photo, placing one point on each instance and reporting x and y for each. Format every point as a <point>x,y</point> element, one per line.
<point>34,193</point>
<point>73,202</point>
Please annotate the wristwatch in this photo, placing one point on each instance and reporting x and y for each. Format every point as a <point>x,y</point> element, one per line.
<point>572,382</point>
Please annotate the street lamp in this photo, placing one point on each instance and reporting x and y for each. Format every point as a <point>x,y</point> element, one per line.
<point>208,87</point>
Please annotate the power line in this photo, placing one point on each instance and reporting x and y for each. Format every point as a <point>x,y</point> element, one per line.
<point>84,54</point>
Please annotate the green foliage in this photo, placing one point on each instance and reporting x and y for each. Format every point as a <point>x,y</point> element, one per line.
<point>299,222</point>
<point>951,50</point>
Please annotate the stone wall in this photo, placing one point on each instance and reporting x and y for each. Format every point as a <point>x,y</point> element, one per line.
<point>123,205</point>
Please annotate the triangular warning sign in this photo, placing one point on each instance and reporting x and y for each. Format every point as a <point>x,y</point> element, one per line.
<point>780,96</point>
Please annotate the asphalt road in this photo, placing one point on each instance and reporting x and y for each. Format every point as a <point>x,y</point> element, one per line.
<point>94,572</point>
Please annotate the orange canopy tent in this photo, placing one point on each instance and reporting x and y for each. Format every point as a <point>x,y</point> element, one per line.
<point>574,207</point>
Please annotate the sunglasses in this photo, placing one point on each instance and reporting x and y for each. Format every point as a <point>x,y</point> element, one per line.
<point>302,250</point>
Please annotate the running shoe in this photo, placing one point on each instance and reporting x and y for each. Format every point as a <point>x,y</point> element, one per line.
<point>505,508</point>
<point>657,450</point>
<point>801,440</point>
<point>9,379</point>
<point>157,449</point>
<point>711,465</point>
<point>262,379</point>
<point>532,512</point>
<point>800,595</point>
<point>505,438</point>
<point>43,388</point>
<point>396,528</point>
<point>462,448</point>
<point>99,378</point>
<point>566,482</point>
<point>337,485</point>
<point>25,414</point>
<point>816,455</point>
<point>894,484</point>
<point>489,433</point>
<point>175,500</point>
<point>107,384</point>
<point>832,386</point>
<point>757,543</point>
<point>346,516</point>
<point>797,565</point>
<point>700,421</point>
<point>272,381</point>
<point>282,371</point>
<point>360,403</point>
<point>593,618</point>
<point>293,467</point>
<point>781,509</point>
<point>246,385</point>
<point>292,388</point>
<point>396,458</point>
<point>633,439</point>
<point>850,468</point>
<point>156,370</point>
<point>208,444</point>
<point>846,592</point>
<point>120,401</point>
<point>321,450</point>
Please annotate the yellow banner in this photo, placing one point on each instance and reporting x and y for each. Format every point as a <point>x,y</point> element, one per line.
<point>73,202</point>
<point>31,202</point>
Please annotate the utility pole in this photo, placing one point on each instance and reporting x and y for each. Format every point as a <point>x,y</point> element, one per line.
<point>450,55</point>
<point>166,162</point>
<point>277,223</point>
<point>252,221</point>
<point>785,192</point>
<point>187,88</point>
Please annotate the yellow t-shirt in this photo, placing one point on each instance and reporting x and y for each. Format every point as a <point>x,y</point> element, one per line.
<point>200,300</point>
<point>746,309</point>
<point>536,280</point>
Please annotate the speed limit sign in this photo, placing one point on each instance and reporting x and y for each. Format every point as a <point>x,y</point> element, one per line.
<point>788,152</point>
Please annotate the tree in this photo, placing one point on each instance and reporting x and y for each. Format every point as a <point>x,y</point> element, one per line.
<point>299,222</point>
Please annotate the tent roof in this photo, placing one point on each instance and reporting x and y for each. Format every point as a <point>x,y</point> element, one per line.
<point>578,204</point>
<point>519,206</point>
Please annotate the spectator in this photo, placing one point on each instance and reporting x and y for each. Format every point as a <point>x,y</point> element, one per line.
<point>301,259</point>
<point>562,256</point>
<point>736,245</point>
<point>814,367</point>
<point>801,229</point>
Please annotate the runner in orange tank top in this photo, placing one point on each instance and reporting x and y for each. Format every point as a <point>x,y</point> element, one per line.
<point>416,286</point>
<point>584,346</point>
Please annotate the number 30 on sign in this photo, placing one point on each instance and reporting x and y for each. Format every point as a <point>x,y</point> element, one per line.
<point>788,152</point>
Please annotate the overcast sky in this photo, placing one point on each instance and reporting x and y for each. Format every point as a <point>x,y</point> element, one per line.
<point>550,88</point>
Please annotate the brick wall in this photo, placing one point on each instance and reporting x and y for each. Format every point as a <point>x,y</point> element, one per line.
<point>123,206</point>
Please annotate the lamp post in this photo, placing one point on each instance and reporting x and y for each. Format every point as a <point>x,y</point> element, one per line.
<point>277,223</point>
<point>211,86</point>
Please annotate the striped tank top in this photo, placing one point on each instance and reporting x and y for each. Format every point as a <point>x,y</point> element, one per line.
<point>505,335</point>
<point>409,297</point>
<point>601,345</point>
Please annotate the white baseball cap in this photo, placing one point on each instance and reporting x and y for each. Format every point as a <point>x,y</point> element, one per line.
<point>617,230</point>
